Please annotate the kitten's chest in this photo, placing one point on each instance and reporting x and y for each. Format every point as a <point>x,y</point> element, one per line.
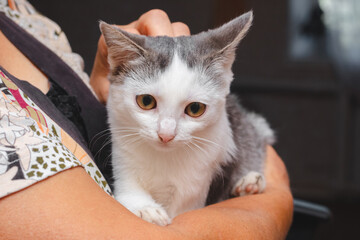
<point>179,188</point>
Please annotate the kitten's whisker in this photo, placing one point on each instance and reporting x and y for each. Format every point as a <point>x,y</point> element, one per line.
<point>204,143</point>
<point>125,128</point>
<point>133,143</point>
<point>186,150</point>
<point>131,139</point>
<point>107,141</point>
<point>129,135</point>
<point>196,151</point>
<point>129,131</point>
<point>204,140</point>
<point>192,149</point>
<point>106,160</point>
<point>125,134</point>
<point>97,136</point>
<point>200,148</point>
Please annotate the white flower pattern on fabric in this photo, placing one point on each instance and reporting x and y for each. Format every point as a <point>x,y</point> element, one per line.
<point>16,124</point>
<point>10,131</point>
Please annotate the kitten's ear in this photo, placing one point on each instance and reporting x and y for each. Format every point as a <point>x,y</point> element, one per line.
<point>225,39</point>
<point>124,48</point>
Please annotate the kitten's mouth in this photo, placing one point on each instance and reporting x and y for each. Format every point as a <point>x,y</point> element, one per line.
<point>165,146</point>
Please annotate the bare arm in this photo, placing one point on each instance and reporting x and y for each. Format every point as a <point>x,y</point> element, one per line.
<point>70,205</point>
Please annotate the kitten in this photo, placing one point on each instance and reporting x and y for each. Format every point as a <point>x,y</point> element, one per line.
<point>174,125</point>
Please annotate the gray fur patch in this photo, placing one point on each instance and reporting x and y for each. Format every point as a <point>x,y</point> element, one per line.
<point>136,55</point>
<point>158,56</point>
<point>251,134</point>
<point>206,47</point>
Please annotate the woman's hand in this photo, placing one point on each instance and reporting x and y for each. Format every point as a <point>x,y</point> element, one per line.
<point>153,23</point>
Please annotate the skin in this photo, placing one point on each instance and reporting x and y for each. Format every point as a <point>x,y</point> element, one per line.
<point>70,205</point>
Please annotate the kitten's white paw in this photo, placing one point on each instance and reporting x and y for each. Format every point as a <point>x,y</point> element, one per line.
<point>252,183</point>
<point>153,214</point>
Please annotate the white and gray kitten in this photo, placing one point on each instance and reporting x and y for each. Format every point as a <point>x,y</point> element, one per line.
<point>174,125</point>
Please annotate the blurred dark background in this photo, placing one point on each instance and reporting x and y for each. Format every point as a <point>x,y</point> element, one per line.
<point>293,67</point>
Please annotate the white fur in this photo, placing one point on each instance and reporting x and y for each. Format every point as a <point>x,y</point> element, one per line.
<point>150,174</point>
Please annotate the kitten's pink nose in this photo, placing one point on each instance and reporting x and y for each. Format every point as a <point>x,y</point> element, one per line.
<point>166,138</point>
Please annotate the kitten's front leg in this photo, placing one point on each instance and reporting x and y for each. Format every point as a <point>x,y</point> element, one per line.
<point>142,204</point>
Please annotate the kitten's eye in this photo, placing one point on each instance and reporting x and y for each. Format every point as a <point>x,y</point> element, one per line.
<point>195,109</point>
<point>146,101</point>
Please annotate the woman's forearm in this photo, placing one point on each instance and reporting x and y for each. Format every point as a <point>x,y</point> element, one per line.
<point>70,212</point>
<point>70,205</point>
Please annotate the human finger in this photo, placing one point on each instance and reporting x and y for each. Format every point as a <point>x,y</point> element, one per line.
<point>131,27</point>
<point>98,78</point>
<point>155,23</point>
<point>180,29</point>
<point>102,48</point>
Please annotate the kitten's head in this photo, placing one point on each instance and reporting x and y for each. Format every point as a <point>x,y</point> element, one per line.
<point>172,90</point>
